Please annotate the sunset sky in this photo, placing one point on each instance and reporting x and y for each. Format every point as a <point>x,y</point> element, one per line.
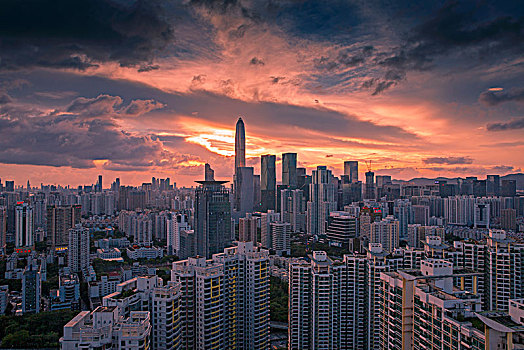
<point>135,89</point>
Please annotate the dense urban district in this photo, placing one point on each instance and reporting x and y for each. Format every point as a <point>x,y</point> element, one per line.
<point>313,261</point>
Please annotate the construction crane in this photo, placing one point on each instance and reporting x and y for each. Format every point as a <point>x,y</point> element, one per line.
<point>368,164</point>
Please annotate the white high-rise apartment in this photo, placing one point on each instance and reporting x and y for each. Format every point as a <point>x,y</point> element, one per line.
<point>78,249</point>
<point>265,229</point>
<point>386,232</point>
<point>504,261</point>
<point>281,237</point>
<point>327,303</point>
<point>421,309</point>
<point>175,224</point>
<point>162,303</point>
<point>225,300</point>
<point>247,228</point>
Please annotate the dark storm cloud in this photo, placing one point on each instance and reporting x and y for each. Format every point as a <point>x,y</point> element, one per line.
<point>514,124</point>
<point>458,30</point>
<point>85,132</point>
<point>107,105</point>
<point>448,160</point>
<point>78,34</point>
<point>493,98</point>
<point>345,59</point>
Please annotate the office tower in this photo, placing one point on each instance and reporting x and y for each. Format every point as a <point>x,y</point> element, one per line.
<point>370,185</point>
<point>508,219</point>
<point>421,309</point>
<point>103,328</point>
<point>59,220</point>
<point>351,170</point>
<point>322,200</point>
<point>24,234</point>
<point>382,180</point>
<point>240,144</point>
<point>327,304</point>
<point>257,198</point>
<point>3,229</point>
<point>447,190</point>
<point>209,174</point>
<point>212,218</point>
<point>225,301</point>
<point>479,188</point>
<point>115,186</point>
<point>481,216</point>
<point>175,225</point>
<point>278,202</point>
<point>504,280</point>
<point>187,244</point>
<point>31,288</point>
<point>386,232</point>
<point>99,185</point>
<point>268,182</point>
<point>78,249</point>
<point>281,237</point>
<point>244,190</point>
<point>265,229</point>
<point>342,229</point>
<point>247,229</point>
<point>492,185</point>
<point>508,188</point>
<point>9,186</point>
<point>293,209</point>
<point>289,170</point>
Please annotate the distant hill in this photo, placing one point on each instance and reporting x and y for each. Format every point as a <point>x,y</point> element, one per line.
<point>423,181</point>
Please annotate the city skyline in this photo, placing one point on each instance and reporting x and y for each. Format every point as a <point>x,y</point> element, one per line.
<point>420,91</point>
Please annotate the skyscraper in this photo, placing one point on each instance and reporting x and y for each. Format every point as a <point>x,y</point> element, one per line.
<point>212,218</point>
<point>225,301</point>
<point>209,173</point>
<point>240,144</point>
<point>268,181</point>
<point>493,185</point>
<point>78,249</point>
<point>24,225</point>
<point>289,170</point>
<point>351,169</point>
<point>322,200</point>
<point>59,220</point>
<point>31,288</point>
<point>99,184</point>
<point>3,229</point>
<point>327,303</point>
<point>244,190</point>
<point>370,185</point>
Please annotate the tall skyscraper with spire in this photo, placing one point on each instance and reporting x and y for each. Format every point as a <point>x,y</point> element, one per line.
<point>240,145</point>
